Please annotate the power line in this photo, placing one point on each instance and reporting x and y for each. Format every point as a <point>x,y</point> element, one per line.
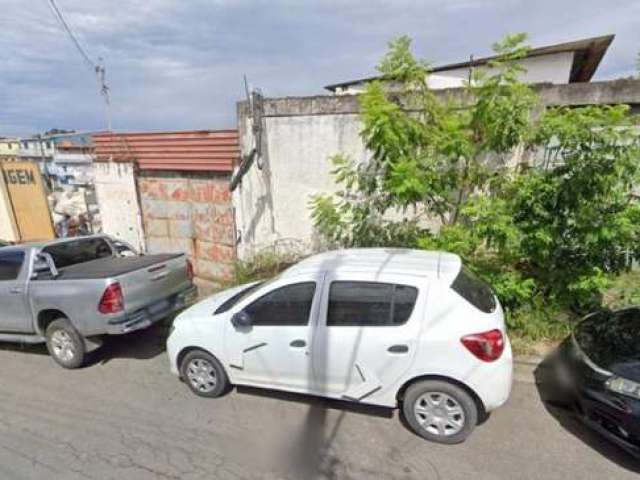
<point>98,68</point>
<point>58,14</point>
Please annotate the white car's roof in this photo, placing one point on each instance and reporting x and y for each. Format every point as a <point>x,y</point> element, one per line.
<point>441,265</point>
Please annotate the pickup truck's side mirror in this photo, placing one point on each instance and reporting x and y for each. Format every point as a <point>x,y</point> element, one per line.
<point>44,263</point>
<point>241,320</point>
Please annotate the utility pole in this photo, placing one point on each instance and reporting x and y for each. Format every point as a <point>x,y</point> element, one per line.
<point>104,89</point>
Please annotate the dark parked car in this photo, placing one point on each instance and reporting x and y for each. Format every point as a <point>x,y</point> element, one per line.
<point>599,365</point>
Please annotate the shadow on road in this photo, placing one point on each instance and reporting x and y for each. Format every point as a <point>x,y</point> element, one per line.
<point>319,403</point>
<point>27,348</point>
<point>311,456</point>
<point>141,345</point>
<point>560,406</point>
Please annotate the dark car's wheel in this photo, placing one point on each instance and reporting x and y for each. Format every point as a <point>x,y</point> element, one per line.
<point>440,411</point>
<point>204,374</point>
<point>65,344</point>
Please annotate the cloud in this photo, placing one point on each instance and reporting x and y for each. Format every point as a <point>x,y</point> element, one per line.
<point>180,64</point>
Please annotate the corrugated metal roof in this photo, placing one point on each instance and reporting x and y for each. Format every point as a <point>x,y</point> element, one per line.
<point>193,150</point>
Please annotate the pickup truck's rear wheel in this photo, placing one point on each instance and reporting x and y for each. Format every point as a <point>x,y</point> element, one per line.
<point>65,344</point>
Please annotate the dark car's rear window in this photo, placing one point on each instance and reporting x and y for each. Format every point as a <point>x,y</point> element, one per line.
<point>608,337</point>
<point>78,251</point>
<point>474,291</point>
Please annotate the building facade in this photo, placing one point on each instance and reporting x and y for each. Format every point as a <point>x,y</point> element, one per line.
<point>562,63</point>
<point>9,148</point>
<point>183,196</point>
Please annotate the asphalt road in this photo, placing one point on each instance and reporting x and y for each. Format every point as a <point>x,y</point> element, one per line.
<point>126,417</point>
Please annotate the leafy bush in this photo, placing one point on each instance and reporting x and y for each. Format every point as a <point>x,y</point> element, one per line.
<point>263,265</point>
<point>468,177</point>
<point>623,291</point>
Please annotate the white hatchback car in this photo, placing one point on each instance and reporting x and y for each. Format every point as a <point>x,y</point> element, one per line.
<point>390,327</point>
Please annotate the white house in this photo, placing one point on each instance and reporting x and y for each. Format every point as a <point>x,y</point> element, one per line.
<point>562,63</point>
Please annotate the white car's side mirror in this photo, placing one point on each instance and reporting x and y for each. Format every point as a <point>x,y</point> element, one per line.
<point>241,320</point>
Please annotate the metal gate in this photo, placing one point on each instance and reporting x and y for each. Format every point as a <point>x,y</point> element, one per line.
<point>118,201</point>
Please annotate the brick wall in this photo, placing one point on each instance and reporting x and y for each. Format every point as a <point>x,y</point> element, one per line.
<point>191,213</point>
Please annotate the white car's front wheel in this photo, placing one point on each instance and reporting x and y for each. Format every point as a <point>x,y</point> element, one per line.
<point>440,411</point>
<point>204,374</point>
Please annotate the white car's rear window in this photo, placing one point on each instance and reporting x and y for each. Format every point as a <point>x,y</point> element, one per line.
<point>474,291</point>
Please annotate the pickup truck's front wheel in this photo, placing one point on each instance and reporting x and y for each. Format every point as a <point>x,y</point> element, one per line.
<point>65,344</point>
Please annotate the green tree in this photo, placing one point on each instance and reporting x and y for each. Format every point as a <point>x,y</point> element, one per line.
<point>466,174</point>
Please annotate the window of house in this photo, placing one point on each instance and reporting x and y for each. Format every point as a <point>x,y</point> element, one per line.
<point>370,304</point>
<point>10,265</point>
<point>287,306</point>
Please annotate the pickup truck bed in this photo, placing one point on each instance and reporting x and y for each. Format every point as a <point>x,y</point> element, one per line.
<point>111,267</point>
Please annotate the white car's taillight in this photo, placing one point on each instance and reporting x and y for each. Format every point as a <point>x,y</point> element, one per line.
<point>486,346</point>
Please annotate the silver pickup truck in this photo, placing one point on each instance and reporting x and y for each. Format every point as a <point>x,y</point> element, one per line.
<point>69,293</point>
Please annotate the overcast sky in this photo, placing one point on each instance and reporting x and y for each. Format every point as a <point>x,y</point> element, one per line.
<point>179,64</point>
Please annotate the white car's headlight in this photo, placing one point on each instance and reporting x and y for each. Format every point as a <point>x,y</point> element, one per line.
<point>624,387</point>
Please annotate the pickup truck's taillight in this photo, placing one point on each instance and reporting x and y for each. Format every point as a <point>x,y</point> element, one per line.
<point>486,346</point>
<point>190,274</point>
<point>112,300</point>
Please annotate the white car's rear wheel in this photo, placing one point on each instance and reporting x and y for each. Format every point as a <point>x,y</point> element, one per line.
<point>440,411</point>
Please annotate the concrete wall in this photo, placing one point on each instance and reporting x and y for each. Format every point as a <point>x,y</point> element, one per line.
<point>117,196</point>
<point>191,213</point>
<point>301,134</point>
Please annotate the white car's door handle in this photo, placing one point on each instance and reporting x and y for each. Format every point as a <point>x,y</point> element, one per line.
<point>15,290</point>
<point>398,349</point>
<point>298,344</point>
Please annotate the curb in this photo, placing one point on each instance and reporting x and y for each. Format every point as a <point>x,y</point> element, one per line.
<point>529,360</point>
<point>524,367</point>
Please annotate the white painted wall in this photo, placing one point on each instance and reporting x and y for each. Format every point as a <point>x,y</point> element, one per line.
<point>553,68</point>
<point>272,203</point>
<point>118,202</point>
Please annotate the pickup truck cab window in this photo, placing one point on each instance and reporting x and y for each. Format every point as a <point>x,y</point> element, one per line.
<point>369,304</point>
<point>290,305</point>
<point>78,251</point>
<point>10,265</point>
